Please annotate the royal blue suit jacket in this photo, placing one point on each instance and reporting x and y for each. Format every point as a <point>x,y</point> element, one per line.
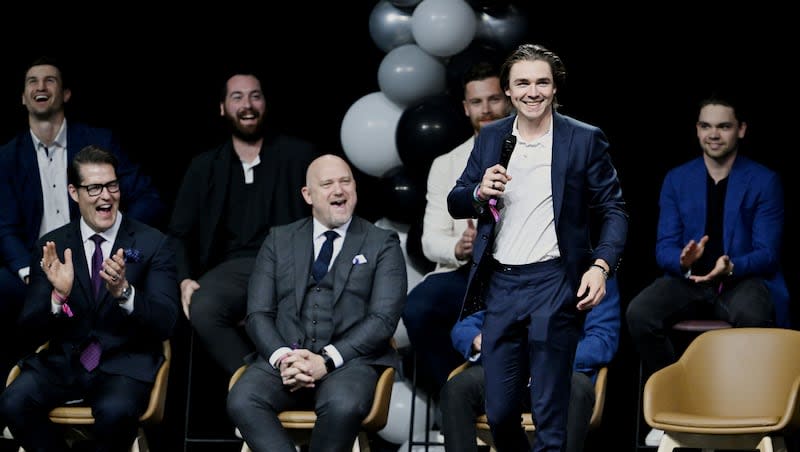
<point>752,223</point>
<point>597,345</point>
<point>131,342</point>
<point>584,185</point>
<point>21,190</point>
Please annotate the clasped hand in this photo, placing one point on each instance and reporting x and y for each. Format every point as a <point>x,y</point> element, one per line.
<point>301,368</point>
<point>694,251</point>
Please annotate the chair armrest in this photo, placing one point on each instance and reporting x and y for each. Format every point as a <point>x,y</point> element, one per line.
<point>662,391</point>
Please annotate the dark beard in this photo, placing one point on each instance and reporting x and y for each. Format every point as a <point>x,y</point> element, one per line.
<point>247,134</point>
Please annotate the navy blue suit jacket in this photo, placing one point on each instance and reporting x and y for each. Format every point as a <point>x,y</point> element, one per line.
<point>752,223</point>
<point>584,186</point>
<point>131,343</point>
<point>21,192</point>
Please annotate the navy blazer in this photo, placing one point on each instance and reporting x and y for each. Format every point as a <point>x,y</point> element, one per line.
<point>369,292</point>
<point>752,223</point>
<point>584,186</point>
<point>131,343</point>
<point>21,192</point>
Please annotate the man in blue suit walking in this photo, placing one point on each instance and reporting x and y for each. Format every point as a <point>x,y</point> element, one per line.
<point>719,239</point>
<point>534,264</point>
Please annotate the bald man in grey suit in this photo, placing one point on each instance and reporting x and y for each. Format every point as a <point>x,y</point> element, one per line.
<point>322,337</point>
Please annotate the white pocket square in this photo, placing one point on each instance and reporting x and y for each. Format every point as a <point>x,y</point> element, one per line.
<point>360,259</point>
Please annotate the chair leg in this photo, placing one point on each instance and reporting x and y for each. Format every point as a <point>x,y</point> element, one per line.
<point>668,443</point>
<point>140,442</point>
<point>765,445</point>
<point>361,444</point>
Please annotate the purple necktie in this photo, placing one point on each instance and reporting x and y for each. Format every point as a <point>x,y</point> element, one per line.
<point>90,356</point>
<point>97,264</point>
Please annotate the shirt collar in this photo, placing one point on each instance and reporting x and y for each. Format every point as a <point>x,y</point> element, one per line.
<point>109,234</point>
<point>319,229</point>
<point>59,141</point>
<point>540,141</point>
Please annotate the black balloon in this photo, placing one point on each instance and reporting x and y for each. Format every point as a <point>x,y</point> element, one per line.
<point>403,196</point>
<point>429,129</point>
<point>460,63</point>
<point>488,5</point>
<point>414,251</point>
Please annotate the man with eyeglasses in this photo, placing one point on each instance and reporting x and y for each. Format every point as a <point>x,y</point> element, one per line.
<point>33,187</point>
<point>104,293</point>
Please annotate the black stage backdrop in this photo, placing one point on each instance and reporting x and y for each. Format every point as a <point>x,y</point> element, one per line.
<point>154,78</point>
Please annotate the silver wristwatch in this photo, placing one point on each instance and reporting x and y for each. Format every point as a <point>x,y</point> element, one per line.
<point>126,294</point>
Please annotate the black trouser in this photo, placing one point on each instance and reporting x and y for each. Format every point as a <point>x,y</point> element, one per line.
<point>668,300</point>
<point>218,308</point>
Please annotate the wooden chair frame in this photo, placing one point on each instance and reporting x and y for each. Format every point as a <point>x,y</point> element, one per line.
<point>82,415</point>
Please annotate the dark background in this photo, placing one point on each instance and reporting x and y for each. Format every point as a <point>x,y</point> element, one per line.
<point>154,78</point>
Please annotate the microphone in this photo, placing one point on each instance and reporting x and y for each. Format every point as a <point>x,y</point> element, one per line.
<point>508,147</point>
<point>505,156</point>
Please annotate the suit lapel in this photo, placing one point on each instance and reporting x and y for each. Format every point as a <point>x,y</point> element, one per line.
<point>29,168</point>
<point>697,182</point>
<point>74,241</point>
<point>558,172</point>
<point>737,183</point>
<point>303,254</point>
<point>344,261</point>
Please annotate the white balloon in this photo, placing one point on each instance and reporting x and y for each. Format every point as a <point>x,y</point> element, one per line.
<point>399,421</point>
<point>414,277</point>
<point>368,134</point>
<point>408,74</point>
<point>435,440</point>
<point>389,26</point>
<point>443,27</point>
<point>400,336</point>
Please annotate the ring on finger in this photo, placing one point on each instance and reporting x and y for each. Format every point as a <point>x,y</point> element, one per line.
<point>114,278</point>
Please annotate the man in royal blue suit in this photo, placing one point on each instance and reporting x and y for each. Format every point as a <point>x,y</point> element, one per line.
<point>719,239</point>
<point>33,181</point>
<point>534,266</point>
<point>104,293</point>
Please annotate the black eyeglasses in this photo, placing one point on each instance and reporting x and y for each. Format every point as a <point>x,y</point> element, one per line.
<point>96,189</point>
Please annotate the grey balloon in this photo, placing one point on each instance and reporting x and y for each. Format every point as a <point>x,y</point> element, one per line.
<point>505,28</point>
<point>389,26</point>
<point>407,74</point>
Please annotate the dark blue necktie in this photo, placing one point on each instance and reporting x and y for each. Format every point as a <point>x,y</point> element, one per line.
<point>320,267</point>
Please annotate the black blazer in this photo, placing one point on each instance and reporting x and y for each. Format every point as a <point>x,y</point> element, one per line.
<point>132,343</point>
<point>201,199</point>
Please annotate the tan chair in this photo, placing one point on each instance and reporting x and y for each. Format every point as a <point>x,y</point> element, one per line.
<point>734,388</point>
<point>300,423</point>
<point>482,422</point>
<point>82,415</point>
